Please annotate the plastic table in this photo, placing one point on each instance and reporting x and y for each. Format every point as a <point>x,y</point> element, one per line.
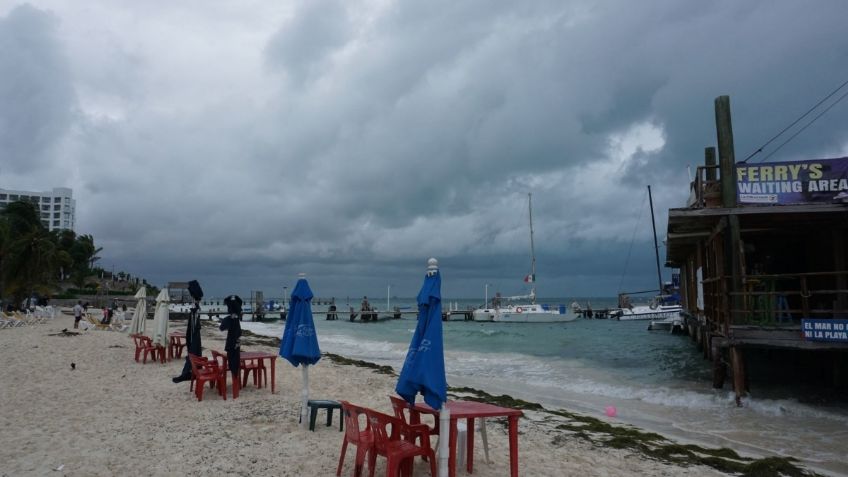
<point>471,410</point>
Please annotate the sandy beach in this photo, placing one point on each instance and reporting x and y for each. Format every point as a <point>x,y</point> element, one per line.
<point>113,416</point>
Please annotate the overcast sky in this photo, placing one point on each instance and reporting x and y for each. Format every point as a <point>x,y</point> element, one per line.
<point>239,143</point>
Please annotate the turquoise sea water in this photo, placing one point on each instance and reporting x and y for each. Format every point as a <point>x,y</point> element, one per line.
<point>657,381</point>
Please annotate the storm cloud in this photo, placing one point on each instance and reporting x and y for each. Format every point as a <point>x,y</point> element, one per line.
<point>240,145</point>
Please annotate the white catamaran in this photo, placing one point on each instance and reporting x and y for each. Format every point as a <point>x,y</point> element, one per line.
<point>524,309</point>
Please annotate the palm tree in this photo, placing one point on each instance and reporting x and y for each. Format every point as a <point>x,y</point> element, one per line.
<point>29,264</point>
<point>4,243</point>
<point>28,253</point>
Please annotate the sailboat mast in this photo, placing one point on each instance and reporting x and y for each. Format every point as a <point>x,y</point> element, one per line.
<point>532,251</point>
<point>656,247</point>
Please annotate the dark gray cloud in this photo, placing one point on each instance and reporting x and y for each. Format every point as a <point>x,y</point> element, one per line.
<point>353,140</point>
<point>36,90</point>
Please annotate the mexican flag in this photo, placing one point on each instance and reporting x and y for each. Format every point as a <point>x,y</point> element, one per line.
<point>530,278</point>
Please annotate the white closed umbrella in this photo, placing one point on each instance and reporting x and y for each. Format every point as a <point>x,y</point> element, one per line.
<point>140,315</point>
<point>160,319</point>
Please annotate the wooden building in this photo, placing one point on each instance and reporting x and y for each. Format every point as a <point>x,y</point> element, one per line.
<point>762,255</point>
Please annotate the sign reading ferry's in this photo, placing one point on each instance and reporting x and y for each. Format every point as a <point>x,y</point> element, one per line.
<point>825,330</point>
<point>796,182</point>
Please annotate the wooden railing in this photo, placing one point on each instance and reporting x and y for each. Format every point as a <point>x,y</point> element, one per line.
<point>776,300</point>
<point>704,192</point>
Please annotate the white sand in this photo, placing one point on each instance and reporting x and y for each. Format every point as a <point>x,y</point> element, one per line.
<point>113,416</point>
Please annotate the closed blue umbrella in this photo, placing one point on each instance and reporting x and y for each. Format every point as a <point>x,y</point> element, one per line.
<point>300,342</point>
<point>424,368</point>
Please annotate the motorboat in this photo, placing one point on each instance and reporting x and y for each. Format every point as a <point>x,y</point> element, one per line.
<point>652,311</point>
<point>671,324</point>
<point>523,309</point>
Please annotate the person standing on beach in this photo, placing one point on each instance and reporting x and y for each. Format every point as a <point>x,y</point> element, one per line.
<point>77,313</point>
<point>331,312</point>
<point>232,325</point>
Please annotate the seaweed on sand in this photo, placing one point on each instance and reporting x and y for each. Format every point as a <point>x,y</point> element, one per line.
<point>388,370</point>
<point>649,444</point>
<point>252,339</point>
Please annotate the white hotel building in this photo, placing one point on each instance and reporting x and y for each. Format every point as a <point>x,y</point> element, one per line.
<point>57,207</point>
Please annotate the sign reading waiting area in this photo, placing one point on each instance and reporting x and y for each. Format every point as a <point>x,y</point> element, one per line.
<point>825,330</point>
<point>795,182</point>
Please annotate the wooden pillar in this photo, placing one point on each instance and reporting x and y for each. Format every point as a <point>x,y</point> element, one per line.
<point>727,164</point>
<point>719,369</point>
<point>738,364</point>
<point>726,154</point>
<point>710,162</point>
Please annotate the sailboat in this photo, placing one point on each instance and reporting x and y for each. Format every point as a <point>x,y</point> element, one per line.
<point>664,308</point>
<point>523,309</point>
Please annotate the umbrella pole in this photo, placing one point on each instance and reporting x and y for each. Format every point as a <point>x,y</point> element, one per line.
<point>444,437</point>
<point>305,396</point>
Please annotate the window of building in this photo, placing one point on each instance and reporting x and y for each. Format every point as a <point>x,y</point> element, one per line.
<point>3,196</point>
<point>13,197</point>
<point>55,223</point>
<point>56,215</point>
<point>57,199</point>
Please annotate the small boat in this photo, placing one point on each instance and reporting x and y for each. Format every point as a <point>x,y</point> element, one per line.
<point>528,311</point>
<point>672,324</point>
<point>652,311</point>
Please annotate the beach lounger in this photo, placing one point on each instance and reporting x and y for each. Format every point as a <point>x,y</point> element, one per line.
<point>25,317</point>
<point>96,323</point>
<point>12,320</point>
<point>6,322</point>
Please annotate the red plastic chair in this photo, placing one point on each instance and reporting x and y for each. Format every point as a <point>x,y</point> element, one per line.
<point>255,366</point>
<point>204,371</point>
<point>393,440</point>
<point>401,408</point>
<point>144,344</point>
<point>175,347</point>
<point>138,345</point>
<point>357,432</point>
<point>221,361</point>
<point>162,352</point>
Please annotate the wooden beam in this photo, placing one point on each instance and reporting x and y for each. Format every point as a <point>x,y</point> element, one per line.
<point>726,154</point>
<point>738,365</point>
<point>710,162</point>
<point>684,213</point>
<point>719,342</point>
